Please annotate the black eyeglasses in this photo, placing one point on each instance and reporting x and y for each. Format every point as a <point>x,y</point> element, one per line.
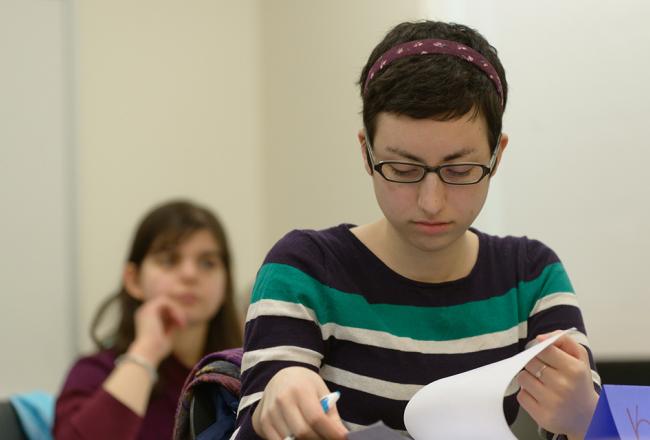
<point>452,174</point>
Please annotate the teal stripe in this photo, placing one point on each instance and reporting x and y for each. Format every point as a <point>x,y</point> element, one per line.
<point>286,283</point>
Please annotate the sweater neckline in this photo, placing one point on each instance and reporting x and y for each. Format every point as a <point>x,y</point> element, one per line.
<point>379,264</point>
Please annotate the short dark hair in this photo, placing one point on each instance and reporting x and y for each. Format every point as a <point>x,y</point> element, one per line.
<point>437,86</point>
<point>167,225</point>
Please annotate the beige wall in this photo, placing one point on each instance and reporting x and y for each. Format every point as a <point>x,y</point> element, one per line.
<point>248,106</point>
<point>312,53</point>
<point>168,106</point>
<point>37,312</point>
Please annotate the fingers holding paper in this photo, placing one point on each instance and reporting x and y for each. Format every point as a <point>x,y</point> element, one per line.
<point>557,389</point>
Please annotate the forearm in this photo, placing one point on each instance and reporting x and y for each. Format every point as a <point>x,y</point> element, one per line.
<point>267,352</point>
<point>132,380</point>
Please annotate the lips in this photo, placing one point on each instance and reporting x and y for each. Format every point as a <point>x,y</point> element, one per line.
<point>432,227</point>
<point>186,298</point>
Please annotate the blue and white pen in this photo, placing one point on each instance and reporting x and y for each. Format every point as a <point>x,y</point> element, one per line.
<point>326,402</point>
<point>330,400</point>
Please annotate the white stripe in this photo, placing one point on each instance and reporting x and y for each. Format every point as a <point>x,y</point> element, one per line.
<point>370,385</point>
<point>577,336</point>
<point>513,387</point>
<point>380,339</point>
<point>248,400</point>
<point>556,299</point>
<point>234,434</point>
<point>595,377</point>
<point>281,353</point>
<point>272,307</point>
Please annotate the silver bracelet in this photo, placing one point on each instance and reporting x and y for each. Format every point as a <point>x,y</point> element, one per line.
<point>135,359</point>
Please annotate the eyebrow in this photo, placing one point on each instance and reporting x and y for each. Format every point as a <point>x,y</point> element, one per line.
<point>174,250</point>
<point>405,154</point>
<point>214,253</point>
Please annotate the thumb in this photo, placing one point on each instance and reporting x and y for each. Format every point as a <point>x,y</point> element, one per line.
<point>333,414</point>
<point>545,336</point>
<point>570,346</point>
<point>171,316</point>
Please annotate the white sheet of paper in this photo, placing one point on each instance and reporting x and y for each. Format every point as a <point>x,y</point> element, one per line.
<point>468,405</point>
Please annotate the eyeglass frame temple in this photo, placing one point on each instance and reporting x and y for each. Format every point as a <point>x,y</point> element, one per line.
<point>495,154</point>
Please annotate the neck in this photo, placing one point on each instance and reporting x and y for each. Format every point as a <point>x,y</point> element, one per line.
<point>189,344</point>
<point>450,263</point>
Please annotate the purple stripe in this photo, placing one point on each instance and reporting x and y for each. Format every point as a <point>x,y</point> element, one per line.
<point>361,408</point>
<point>409,367</point>
<point>244,422</point>
<point>510,408</point>
<point>557,317</point>
<point>256,378</point>
<point>286,331</point>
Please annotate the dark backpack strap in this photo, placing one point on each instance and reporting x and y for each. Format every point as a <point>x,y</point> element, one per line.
<point>213,413</point>
<point>210,396</point>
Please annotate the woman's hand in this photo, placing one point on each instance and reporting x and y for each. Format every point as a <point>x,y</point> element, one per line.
<point>557,388</point>
<point>291,406</point>
<point>156,321</point>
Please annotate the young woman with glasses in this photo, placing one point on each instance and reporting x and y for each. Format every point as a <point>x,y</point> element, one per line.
<point>378,310</point>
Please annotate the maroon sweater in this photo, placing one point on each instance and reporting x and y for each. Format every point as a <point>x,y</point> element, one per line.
<point>85,411</point>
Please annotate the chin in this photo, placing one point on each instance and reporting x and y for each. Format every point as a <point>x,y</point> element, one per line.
<point>434,244</point>
<point>431,247</point>
<point>193,321</point>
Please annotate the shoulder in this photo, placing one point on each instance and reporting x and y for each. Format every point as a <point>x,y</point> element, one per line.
<point>102,360</point>
<point>307,243</point>
<point>302,264</point>
<point>529,266</point>
<point>530,256</point>
<point>310,250</point>
<point>92,370</point>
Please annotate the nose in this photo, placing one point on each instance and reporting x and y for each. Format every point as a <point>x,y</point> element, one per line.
<point>431,194</point>
<point>188,269</point>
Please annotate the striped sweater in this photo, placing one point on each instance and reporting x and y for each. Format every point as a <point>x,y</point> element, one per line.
<point>324,301</point>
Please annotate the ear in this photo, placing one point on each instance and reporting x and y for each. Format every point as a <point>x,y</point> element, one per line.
<point>361,137</point>
<point>131,281</point>
<point>503,143</point>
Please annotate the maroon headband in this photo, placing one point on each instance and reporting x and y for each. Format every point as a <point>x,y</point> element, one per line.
<point>433,46</point>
